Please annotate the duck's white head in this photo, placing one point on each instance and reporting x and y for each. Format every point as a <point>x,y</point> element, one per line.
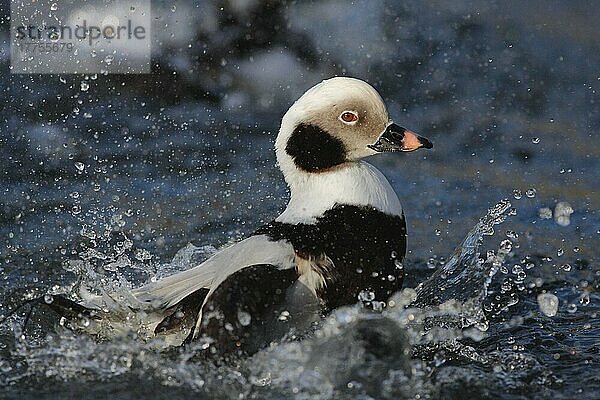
<point>335,123</point>
<point>322,139</point>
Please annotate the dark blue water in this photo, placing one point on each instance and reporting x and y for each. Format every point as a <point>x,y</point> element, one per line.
<point>107,184</point>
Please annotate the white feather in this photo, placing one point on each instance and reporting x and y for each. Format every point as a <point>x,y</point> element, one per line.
<point>210,274</point>
<point>358,184</point>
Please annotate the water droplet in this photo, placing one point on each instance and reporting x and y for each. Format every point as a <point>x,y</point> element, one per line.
<point>244,318</point>
<point>566,267</point>
<point>529,265</point>
<point>378,305</point>
<point>54,7</point>
<point>366,296</point>
<point>174,8</point>
<point>584,300</point>
<point>506,245</point>
<point>438,232</point>
<point>530,192</point>
<point>562,213</point>
<point>87,231</point>
<point>84,86</point>
<point>517,194</point>
<point>142,255</point>
<point>109,59</point>
<point>48,299</point>
<point>548,304</point>
<point>576,249</point>
<point>560,252</point>
<point>535,140</point>
<point>572,308</point>
<point>439,358</point>
<point>80,166</point>
<point>516,269</point>
<point>284,316</point>
<point>545,213</point>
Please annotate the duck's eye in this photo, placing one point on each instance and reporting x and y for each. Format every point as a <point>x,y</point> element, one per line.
<point>349,117</point>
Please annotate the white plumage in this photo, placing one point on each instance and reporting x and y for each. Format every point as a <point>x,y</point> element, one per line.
<point>358,184</point>
<point>210,274</point>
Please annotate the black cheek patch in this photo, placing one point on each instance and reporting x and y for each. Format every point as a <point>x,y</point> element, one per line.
<point>313,149</point>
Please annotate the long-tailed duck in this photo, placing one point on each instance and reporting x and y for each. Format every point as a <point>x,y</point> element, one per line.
<point>340,239</point>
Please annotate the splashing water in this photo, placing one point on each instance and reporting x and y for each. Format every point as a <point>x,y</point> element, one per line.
<point>423,343</point>
<point>466,276</point>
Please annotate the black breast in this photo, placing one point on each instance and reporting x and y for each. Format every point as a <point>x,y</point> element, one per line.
<point>365,245</point>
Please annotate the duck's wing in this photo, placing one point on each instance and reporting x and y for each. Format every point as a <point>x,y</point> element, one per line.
<point>176,302</point>
<point>253,307</point>
<point>257,249</point>
<point>239,300</point>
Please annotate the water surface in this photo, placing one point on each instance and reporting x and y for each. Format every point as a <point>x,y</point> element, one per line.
<point>108,184</point>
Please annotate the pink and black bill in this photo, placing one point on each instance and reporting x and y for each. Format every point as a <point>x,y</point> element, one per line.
<point>396,138</point>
